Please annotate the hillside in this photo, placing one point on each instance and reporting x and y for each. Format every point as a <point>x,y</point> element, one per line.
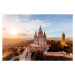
<point>6,43</point>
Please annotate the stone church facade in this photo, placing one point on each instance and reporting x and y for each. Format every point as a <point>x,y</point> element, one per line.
<point>40,38</point>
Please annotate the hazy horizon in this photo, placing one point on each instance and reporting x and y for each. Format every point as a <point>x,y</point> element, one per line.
<point>50,38</point>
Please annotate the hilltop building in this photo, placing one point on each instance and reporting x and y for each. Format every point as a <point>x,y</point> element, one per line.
<point>63,38</point>
<point>40,39</point>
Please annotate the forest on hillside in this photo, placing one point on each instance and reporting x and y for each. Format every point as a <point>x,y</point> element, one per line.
<point>57,46</point>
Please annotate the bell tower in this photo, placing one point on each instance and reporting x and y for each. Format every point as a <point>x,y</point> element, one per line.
<point>63,38</point>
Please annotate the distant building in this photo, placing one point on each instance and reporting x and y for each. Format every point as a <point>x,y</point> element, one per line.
<point>63,38</point>
<point>40,39</point>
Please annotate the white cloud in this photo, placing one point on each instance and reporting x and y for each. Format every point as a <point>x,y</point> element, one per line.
<point>64,29</point>
<point>23,27</point>
<point>17,19</point>
<point>34,24</point>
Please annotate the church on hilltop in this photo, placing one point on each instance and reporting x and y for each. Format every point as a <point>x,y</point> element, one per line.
<point>40,38</point>
<point>40,41</point>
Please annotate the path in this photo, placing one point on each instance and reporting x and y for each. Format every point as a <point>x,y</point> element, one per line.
<point>24,57</point>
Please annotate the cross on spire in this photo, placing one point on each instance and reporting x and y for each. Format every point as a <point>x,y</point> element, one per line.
<point>44,32</point>
<point>35,32</point>
<point>40,26</point>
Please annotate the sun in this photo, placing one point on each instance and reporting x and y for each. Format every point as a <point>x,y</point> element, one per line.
<point>13,32</point>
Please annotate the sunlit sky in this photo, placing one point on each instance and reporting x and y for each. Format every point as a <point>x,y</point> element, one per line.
<point>24,26</point>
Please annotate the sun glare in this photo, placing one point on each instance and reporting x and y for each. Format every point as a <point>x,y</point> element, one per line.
<point>13,32</point>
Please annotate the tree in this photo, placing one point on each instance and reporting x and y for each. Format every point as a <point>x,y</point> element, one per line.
<point>22,49</point>
<point>37,55</point>
<point>17,53</point>
<point>14,50</point>
<point>55,46</point>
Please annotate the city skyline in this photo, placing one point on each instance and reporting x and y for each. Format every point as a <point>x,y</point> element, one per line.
<point>24,26</point>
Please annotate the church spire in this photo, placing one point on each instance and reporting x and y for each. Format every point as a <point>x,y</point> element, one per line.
<point>40,30</point>
<point>40,26</point>
<point>44,33</point>
<point>35,33</point>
